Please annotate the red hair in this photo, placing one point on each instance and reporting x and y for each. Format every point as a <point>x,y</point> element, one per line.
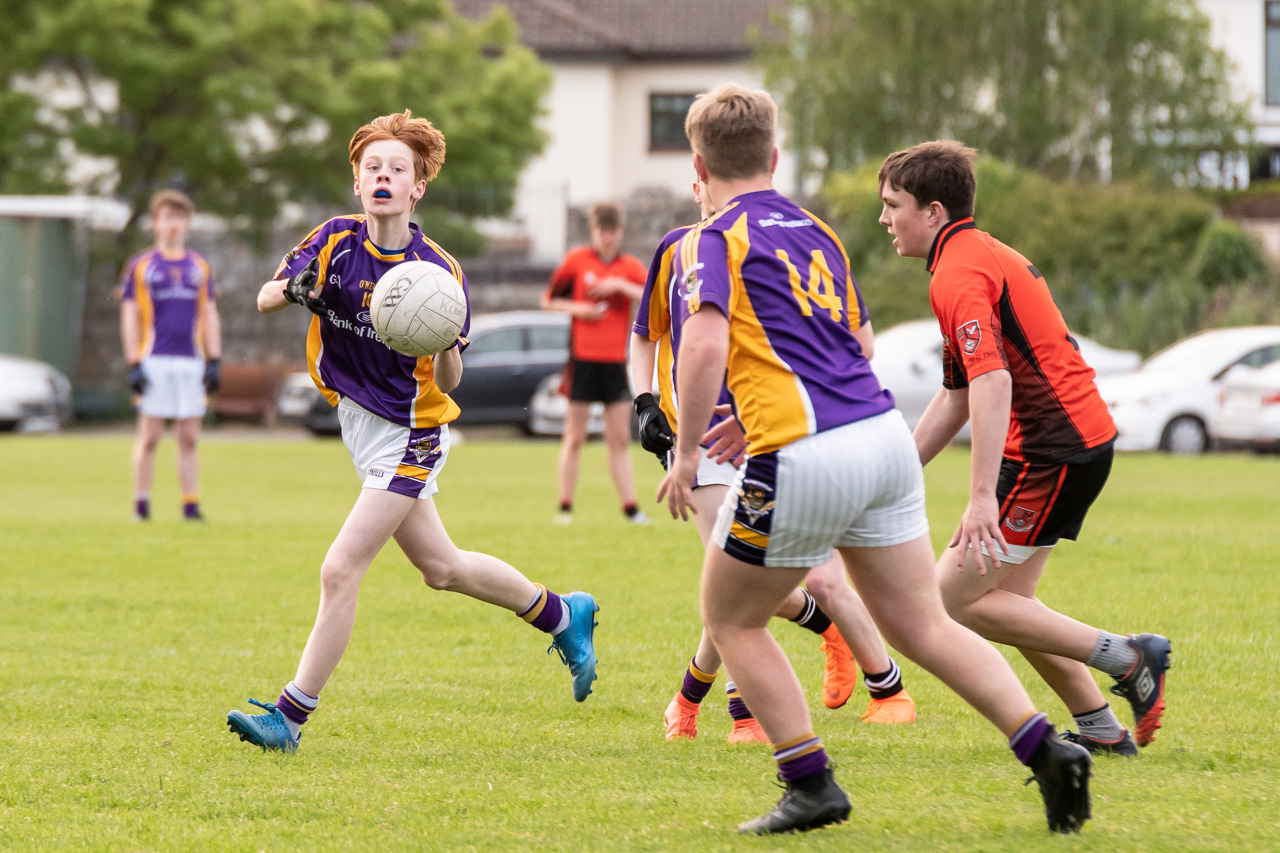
<point>426,143</point>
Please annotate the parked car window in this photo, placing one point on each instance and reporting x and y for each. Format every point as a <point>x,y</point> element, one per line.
<point>549,338</point>
<point>1261,357</point>
<point>510,340</point>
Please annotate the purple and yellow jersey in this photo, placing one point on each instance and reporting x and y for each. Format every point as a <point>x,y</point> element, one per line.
<point>346,357</point>
<point>781,277</point>
<point>171,292</point>
<point>657,321</point>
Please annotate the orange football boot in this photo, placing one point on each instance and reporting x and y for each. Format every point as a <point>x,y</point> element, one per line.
<point>841,674</point>
<point>747,731</point>
<point>898,708</point>
<point>681,718</point>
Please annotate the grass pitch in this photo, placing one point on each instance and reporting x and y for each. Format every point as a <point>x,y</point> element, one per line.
<point>122,647</point>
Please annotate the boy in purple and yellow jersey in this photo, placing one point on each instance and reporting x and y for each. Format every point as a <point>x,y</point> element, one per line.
<point>655,347</point>
<point>1042,445</point>
<point>395,413</point>
<point>830,464</point>
<point>173,344</point>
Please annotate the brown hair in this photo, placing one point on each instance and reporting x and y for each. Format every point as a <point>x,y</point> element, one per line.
<point>607,216</point>
<point>176,199</point>
<point>940,171</point>
<point>425,141</point>
<point>734,130</point>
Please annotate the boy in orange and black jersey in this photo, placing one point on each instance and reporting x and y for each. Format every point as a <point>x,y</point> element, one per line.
<point>1042,444</point>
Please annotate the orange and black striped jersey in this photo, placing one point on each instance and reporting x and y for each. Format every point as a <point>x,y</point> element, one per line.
<point>996,312</point>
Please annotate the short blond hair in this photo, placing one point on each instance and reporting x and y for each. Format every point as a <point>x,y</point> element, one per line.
<point>426,143</point>
<point>176,199</point>
<point>734,129</point>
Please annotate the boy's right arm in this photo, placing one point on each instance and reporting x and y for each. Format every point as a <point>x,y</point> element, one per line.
<point>130,330</point>
<point>271,297</point>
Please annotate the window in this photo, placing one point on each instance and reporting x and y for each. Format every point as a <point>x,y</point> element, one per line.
<point>554,338</point>
<point>510,340</point>
<point>666,119</point>
<point>1273,53</point>
<point>1261,357</point>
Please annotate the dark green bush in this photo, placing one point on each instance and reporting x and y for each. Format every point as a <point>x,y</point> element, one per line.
<point>1225,255</point>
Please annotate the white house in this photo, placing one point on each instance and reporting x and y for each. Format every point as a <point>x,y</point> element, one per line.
<point>624,74</point>
<point>1248,31</point>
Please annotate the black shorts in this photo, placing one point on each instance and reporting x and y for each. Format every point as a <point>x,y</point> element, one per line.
<point>597,382</point>
<point>1041,503</point>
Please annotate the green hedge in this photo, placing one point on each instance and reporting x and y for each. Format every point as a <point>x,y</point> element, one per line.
<point>1131,265</point>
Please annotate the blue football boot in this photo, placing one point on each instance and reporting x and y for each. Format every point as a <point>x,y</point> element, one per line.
<point>269,730</point>
<point>575,643</point>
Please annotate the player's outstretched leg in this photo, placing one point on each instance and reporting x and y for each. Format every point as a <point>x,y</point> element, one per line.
<point>1143,683</point>
<point>681,716</point>
<point>1062,771</point>
<point>269,730</point>
<point>576,643</point>
<point>893,582</point>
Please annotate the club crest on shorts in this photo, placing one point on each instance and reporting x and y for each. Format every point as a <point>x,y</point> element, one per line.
<point>970,335</point>
<point>755,500</point>
<point>423,450</point>
<point>1021,519</point>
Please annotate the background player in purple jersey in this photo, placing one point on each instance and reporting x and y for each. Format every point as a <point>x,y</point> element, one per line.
<point>394,411</point>
<point>830,463</point>
<point>826,605</point>
<point>173,343</point>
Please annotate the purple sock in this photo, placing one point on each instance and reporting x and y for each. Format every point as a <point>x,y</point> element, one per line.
<point>697,684</point>
<point>547,612</point>
<point>801,757</point>
<point>295,704</point>
<point>191,509</point>
<point>1027,739</point>
<point>142,508</point>
<point>737,708</point>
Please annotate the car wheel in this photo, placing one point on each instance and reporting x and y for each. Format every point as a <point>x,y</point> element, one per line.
<point>1185,435</point>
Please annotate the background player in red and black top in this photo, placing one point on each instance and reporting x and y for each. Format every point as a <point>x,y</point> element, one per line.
<point>1042,444</point>
<point>596,285</point>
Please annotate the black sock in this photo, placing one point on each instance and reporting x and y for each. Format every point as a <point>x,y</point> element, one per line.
<point>811,615</point>
<point>631,510</point>
<point>566,506</point>
<point>882,685</point>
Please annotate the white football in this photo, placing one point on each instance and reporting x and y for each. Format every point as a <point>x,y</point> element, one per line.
<point>418,308</point>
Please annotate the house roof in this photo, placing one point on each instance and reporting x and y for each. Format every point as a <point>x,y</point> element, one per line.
<point>634,29</point>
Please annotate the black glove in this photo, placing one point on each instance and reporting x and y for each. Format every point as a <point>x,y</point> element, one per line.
<point>138,380</point>
<point>655,430</point>
<point>298,289</point>
<point>212,375</point>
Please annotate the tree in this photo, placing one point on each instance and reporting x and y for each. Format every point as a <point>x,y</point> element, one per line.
<point>1073,88</point>
<point>250,103</point>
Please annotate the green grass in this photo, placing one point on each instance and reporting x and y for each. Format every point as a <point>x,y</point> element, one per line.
<point>122,646</point>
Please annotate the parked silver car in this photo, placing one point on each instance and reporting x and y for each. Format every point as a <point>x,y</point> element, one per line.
<point>908,361</point>
<point>34,397</point>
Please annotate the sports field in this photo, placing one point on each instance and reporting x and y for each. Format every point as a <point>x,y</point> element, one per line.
<point>122,647</point>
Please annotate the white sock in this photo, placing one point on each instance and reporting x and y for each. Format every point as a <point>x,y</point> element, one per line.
<point>1112,654</point>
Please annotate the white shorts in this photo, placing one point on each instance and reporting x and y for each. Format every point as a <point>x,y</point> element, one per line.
<point>175,387</point>
<point>855,486</point>
<point>710,472</point>
<point>393,457</point>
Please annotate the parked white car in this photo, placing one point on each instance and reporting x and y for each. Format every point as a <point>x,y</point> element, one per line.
<point>548,408</point>
<point>34,396</point>
<point>1169,402</point>
<point>908,361</point>
<point>1249,408</point>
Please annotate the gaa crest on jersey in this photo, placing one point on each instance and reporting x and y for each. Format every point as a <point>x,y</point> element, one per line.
<point>969,335</point>
<point>755,499</point>
<point>1021,519</point>
<point>691,284</point>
